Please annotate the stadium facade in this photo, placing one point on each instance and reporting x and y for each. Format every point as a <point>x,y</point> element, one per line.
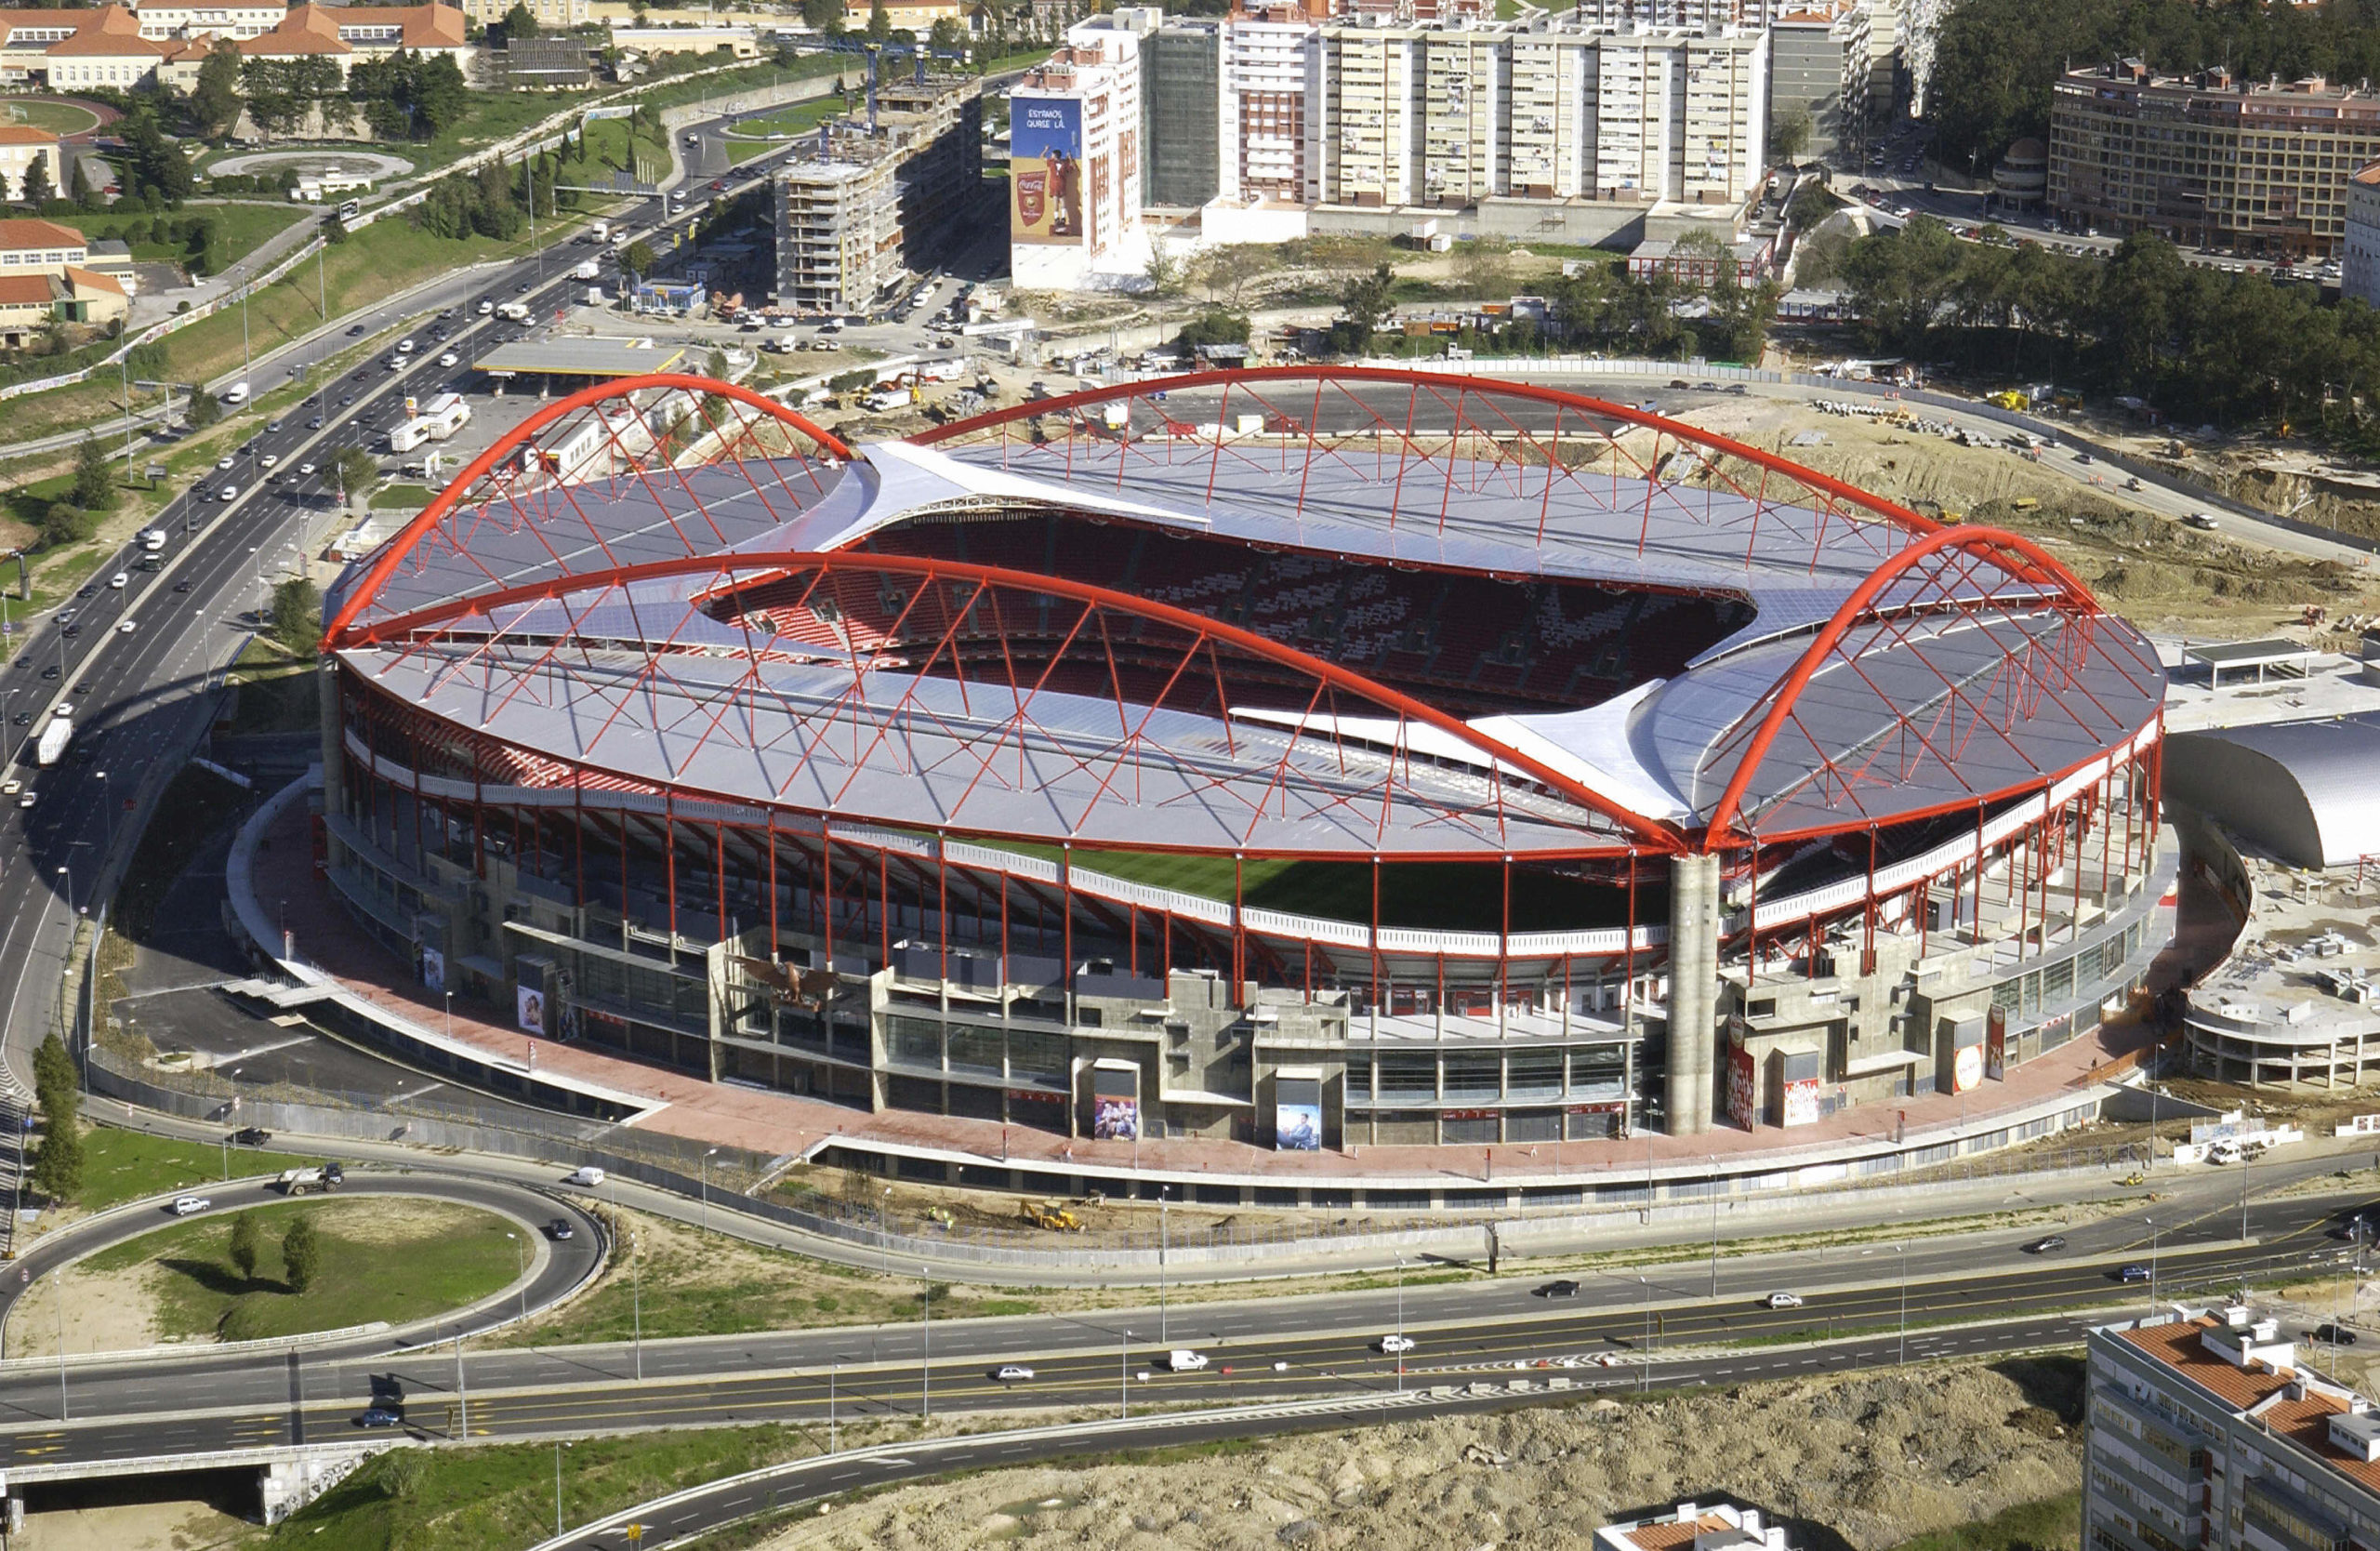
<point>1312,757</point>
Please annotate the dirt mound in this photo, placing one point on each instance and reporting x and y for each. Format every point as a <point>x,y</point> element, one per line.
<point>1872,1459</point>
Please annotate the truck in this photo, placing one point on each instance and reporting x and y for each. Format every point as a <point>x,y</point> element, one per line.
<point>595,296</point>
<point>151,540</point>
<point>324,1177</point>
<point>52,746</point>
<point>514,312</point>
<point>587,269</point>
<point>434,421</point>
<point>603,230</point>
<point>236,393</point>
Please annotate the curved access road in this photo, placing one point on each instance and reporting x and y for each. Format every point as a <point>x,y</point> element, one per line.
<point>555,1266</point>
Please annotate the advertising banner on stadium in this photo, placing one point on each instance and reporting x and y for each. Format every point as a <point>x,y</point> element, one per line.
<point>433,968</point>
<point>1045,170</point>
<point>1995,1043</point>
<point>1115,1101</point>
<point>1802,1101</point>
<point>1743,1087</point>
<point>1297,1113</point>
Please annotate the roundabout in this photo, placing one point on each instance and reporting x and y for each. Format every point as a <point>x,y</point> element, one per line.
<point>403,1260</point>
<point>322,162</point>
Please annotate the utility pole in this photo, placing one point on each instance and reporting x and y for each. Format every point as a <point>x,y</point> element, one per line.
<point>462,1389</point>
<point>1714,1225</point>
<point>925,1368</point>
<point>1163,1240</point>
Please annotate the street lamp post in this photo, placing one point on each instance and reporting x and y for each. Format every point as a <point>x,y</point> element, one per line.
<point>1902,1251</point>
<point>1400,1324</point>
<point>1164,1238</point>
<point>706,1158</point>
<point>925,1367</point>
<point>1123,1375</point>
<point>636,1298</point>
<point>58,1296</point>
<point>521,1256</point>
<point>2152,1263</point>
<point>833,1370</point>
<point>1645,1370</point>
<point>558,1446</point>
<point>1714,1225</point>
<point>462,1390</point>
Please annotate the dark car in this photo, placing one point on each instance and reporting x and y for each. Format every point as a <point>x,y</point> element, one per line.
<point>50,673</point>
<point>2337,1335</point>
<point>251,1137</point>
<point>2055,1241</point>
<point>2133,1273</point>
<point>86,591</point>
<point>356,332</point>
<point>23,718</point>
<point>560,1229</point>
<point>69,632</point>
<point>181,587</point>
<point>381,1416</point>
<point>1565,1288</point>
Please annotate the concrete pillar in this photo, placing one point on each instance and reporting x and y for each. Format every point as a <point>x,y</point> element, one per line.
<point>1694,992</point>
<point>333,749</point>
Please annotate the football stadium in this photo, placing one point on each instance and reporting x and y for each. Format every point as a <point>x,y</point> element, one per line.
<point>1304,756</point>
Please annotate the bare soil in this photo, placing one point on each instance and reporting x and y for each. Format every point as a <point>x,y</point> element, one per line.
<point>1872,1460</point>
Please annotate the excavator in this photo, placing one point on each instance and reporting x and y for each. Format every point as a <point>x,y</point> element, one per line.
<point>1050,1215</point>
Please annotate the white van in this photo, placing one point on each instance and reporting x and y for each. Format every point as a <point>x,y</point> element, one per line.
<point>1184,1363</point>
<point>185,1205</point>
<point>590,1178</point>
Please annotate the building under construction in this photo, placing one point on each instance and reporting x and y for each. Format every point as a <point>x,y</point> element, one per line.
<point>883,190</point>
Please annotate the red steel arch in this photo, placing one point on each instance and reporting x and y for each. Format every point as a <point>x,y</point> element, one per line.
<point>745,568</point>
<point>2010,552</point>
<point>368,586</point>
<point>1407,376</point>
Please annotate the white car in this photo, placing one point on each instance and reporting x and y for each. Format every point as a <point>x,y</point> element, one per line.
<point>119,580</point>
<point>127,627</point>
<point>268,459</point>
<point>2203,521</point>
<point>304,469</point>
<point>1784,1300</point>
<point>404,347</point>
<point>229,493</point>
<point>1395,1344</point>
<point>449,359</point>
<point>26,797</point>
<point>185,1205</point>
<point>223,463</point>
<point>1013,1373</point>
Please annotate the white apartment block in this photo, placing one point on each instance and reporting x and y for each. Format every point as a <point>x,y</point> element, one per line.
<point>1094,82</point>
<point>1373,83</point>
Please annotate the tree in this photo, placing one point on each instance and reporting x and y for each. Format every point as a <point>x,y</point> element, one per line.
<point>1363,307</point>
<point>1165,270</point>
<point>947,36</point>
<point>94,487</point>
<point>214,101</point>
<point>205,407</point>
<point>1790,131</point>
<point>297,616</point>
<point>57,1167</point>
<point>301,1254</point>
<point>520,23</point>
<point>1225,273</point>
<point>638,261</point>
<point>38,190</point>
<point>358,471</point>
<point>821,14</point>
<point>879,26</point>
<point>247,1242</point>
<point>79,190</point>
<point>53,1067</point>
<point>64,523</point>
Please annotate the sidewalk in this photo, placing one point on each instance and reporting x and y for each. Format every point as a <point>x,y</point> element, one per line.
<point>782,1124</point>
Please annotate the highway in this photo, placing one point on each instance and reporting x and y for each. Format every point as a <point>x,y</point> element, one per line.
<point>1258,1349</point>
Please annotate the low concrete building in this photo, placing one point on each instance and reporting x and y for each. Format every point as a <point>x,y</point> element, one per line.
<point>877,200</point>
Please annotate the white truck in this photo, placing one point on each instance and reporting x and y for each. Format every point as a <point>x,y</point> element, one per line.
<point>52,746</point>
<point>601,231</point>
<point>587,269</point>
<point>322,1177</point>
<point>234,394</point>
<point>434,421</point>
<point>152,540</point>
<point>514,312</point>
<point>1184,1361</point>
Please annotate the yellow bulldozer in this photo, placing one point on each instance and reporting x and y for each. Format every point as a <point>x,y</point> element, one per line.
<point>1050,1215</point>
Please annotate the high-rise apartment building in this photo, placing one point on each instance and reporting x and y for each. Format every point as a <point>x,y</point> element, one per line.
<point>1819,68</point>
<point>1182,89</point>
<point>2207,159</point>
<point>1269,74</point>
<point>2204,1429</point>
<point>1074,175</point>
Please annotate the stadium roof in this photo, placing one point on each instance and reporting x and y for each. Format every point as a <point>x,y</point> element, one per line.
<point>734,629</point>
<point>606,358</point>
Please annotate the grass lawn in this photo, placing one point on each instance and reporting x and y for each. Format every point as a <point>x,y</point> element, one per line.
<point>400,498</point>
<point>502,1498</point>
<point>277,692</point>
<point>609,146</point>
<point>782,123</point>
<point>120,1166</point>
<point>63,118</point>
<point>241,229</point>
<point>382,1259</point>
<point>2045,1525</point>
<point>1449,896</point>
